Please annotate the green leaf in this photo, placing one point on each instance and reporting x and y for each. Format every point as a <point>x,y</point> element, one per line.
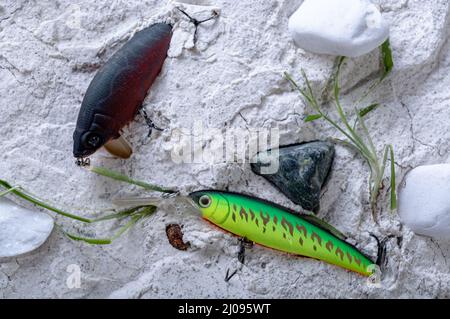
<point>91,241</point>
<point>121,214</point>
<point>106,241</point>
<point>123,178</point>
<point>363,112</point>
<point>393,181</point>
<point>312,118</point>
<point>337,73</point>
<point>387,58</point>
<point>295,85</point>
<point>386,64</point>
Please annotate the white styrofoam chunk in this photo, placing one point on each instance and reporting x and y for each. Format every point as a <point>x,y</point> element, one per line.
<point>21,230</point>
<point>338,27</point>
<point>424,202</point>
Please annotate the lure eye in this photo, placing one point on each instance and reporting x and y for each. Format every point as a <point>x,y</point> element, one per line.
<point>204,201</point>
<point>92,140</point>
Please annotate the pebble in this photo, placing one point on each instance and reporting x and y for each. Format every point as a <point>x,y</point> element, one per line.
<point>21,230</point>
<point>302,171</point>
<point>338,27</point>
<point>424,201</point>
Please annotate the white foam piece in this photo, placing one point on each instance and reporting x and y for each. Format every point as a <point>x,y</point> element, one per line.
<point>424,202</point>
<point>338,27</point>
<point>21,230</point>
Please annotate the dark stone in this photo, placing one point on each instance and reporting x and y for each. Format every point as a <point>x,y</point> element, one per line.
<point>302,171</point>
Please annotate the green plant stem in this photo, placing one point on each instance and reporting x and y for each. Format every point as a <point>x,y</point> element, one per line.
<point>146,212</point>
<point>363,143</point>
<point>8,191</point>
<point>22,194</point>
<point>393,180</point>
<point>123,178</point>
<point>313,103</point>
<point>121,214</point>
<point>18,191</point>
<point>135,213</point>
<point>387,64</point>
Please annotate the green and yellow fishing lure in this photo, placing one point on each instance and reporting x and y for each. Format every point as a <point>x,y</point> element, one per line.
<point>279,228</point>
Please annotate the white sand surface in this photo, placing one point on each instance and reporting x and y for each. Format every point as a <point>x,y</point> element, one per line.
<point>49,51</point>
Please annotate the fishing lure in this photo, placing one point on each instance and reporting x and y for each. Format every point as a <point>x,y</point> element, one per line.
<point>276,227</point>
<point>118,90</point>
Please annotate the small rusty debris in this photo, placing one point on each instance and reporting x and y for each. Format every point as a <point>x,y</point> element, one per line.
<point>86,67</point>
<point>175,237</point>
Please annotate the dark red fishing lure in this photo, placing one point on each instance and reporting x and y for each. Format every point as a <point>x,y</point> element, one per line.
<point>119,88</point>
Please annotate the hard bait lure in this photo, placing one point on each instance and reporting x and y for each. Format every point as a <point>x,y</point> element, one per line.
<point>118,90</point>
<point>279,228</point>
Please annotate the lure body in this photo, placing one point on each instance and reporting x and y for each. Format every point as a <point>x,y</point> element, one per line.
<point>119,88</point>
<point>279,228</point>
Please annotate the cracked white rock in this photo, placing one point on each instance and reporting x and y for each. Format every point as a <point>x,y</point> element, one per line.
<point>424,202</point>
<point>338,27</point>
<point>21,230</point>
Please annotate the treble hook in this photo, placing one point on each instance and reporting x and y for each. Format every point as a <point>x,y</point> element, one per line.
<point>196,22</point>
<point>244,244</point>
<point>151,125</point>
<point>83,162</point>
<point>382,250</point>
